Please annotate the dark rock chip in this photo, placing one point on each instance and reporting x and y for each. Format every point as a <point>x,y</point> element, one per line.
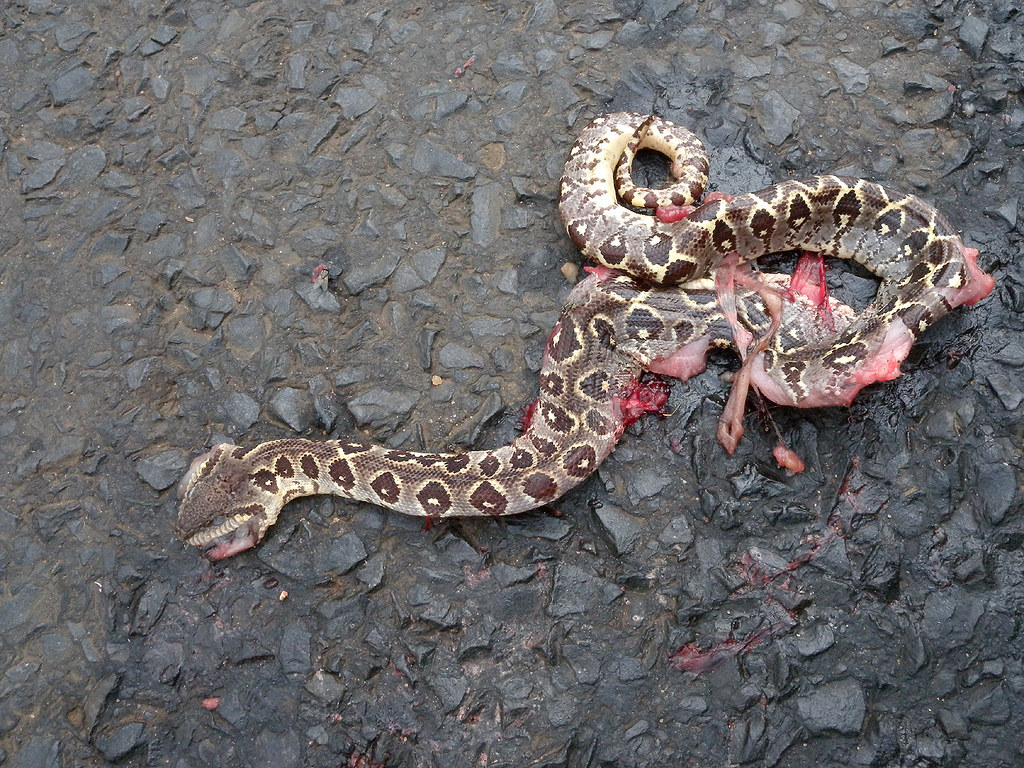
<point>430,160</point>
<point>339,555</point>
<point>1006,211</point>
<point>953,723</point>
<point>71,85</point>
<point>162,470</point>
<point>777,117</point>
<point>937,107</point>
<point>507,575</point>
<point>58,451</point>
<point>275,747</point>
<point>1007,388</point>
<point>420,270</point>
<point>241,410</point>
<point>597,41</point>
<point>359,277</point>
<point>854,78</point>
<point>836,706</point>
<point>71,35</point>
<point>973,33</point>
<point>121,741</point>
<point>372,572</point>
<point>293,407</point>
<point>891,45</point>
<point>914,25</point>
<point>150,607</point>
<point>294,650</point>
<point>215,300</point>
<point>990,705</point>
<point>950,617</point>
<point>42,174</point>
<point>96,701</point>
<point>325,686</point>
<point>322,131</point>
<point>1001,490</point>
<point>432,606</point>
<point>354,102</point>
<point>486,216</point>
<point>748,739</point>
<point>317,298</point>
<point>677,533</point>
<point>244,336</point>
<point>163,34</point>
<point>164,660</point>
<point>812,640</point>
<point>324,402</point>
<point>627,668</point>
<point>541,526</point>
<point>457,356</point>
<point>624,530</point>
<point>449,103</point>
<point>83,167</point>
<point>297,63</point>
<point>378,406</point>
<point>39,752</point>
<point>575,590</point>
<point>646,483</point>
<point>451,689</point>
<point>542,13</point>
<point>508,66</point>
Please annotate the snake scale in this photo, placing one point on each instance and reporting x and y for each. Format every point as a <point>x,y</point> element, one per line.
<point>665,292</point>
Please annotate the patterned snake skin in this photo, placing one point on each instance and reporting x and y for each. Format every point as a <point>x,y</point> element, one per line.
<point>666,292</point>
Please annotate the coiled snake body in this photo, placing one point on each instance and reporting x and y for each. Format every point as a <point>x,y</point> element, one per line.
<point>665,293</point>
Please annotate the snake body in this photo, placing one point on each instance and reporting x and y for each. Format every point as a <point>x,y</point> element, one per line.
<point>656,304</point>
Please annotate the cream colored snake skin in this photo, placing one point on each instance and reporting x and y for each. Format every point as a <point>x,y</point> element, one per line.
<point>666,292</point>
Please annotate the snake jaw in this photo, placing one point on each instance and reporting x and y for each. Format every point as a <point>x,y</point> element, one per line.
<point>221,510</point>
<point>234,535</point>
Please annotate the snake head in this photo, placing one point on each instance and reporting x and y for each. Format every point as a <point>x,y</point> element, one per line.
<point>223,509</point>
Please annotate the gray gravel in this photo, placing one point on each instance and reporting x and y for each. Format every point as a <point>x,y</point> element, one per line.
<point>176,172</point>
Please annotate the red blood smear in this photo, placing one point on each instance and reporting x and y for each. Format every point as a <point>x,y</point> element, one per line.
<point>809,279</point>
<point>648,395</point>
<point>690,658</point>
<point>527,418</point>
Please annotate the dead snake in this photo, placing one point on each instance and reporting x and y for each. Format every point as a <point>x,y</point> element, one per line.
<point>665,293</point>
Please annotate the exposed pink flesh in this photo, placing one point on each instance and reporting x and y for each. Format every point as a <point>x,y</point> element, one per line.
<point>884,365</point>
<point>808,279</point>
<point>671,213</point>
<point>232,543</point>
<point>685,362</point>
<point>601,272</point>
<point>978,287</point>
<point>788,459</point>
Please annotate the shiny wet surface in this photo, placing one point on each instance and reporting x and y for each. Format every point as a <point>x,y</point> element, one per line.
<point>175,174</point>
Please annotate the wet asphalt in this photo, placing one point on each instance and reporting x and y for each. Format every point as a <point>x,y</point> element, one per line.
<point>173,174</point>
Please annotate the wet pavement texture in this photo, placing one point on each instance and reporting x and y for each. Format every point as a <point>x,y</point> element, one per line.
<point>174,173</point>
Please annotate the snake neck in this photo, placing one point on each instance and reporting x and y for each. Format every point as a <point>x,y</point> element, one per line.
<point>570,429</point>
<point>232,495</point>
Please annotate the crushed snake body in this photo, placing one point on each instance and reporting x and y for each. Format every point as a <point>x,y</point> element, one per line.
<point>665,294</point>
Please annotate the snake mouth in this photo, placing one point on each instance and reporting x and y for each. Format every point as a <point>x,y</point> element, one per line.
<point>228,536</point>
